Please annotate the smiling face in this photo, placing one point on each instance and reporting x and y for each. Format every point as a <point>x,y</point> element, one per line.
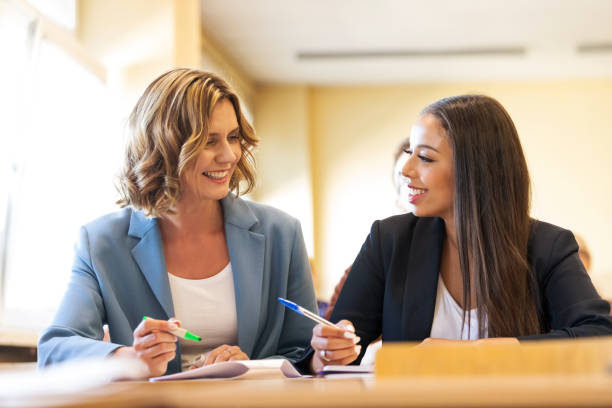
<point>209,177</point>
<point>429,170</point>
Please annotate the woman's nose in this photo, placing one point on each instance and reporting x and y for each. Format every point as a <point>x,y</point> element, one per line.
<point>226,153</point>
<point>408,168</point>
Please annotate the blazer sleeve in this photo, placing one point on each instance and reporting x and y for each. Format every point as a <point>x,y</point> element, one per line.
<point>570,303</point>
<point>297,330</point>
<point>361,298</point>
<point>76,330</point>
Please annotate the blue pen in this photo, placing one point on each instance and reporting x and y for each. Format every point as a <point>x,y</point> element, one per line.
<point>307,313</point>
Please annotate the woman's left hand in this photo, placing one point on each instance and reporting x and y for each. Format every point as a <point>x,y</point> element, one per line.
<point>223,353</point>
<point>494,340</point>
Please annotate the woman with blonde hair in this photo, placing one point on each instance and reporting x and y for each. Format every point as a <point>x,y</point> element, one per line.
<point>185,250</point>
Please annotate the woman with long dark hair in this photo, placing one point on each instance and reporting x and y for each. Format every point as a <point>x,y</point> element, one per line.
<point>469,264</point>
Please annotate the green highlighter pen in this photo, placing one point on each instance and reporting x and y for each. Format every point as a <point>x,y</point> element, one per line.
<point>182,333</point>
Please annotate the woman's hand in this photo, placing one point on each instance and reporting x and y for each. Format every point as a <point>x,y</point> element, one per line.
<point>334,346</point>
<point>430,341</point>
<point>153,345</point>
<point>220,354</point>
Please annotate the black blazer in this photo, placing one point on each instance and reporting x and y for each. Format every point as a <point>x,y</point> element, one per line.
<point>391,289</point>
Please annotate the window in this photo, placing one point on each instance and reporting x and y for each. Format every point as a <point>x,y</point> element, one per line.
<point>62,152</point>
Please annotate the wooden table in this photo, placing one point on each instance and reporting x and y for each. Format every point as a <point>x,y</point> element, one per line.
<point>594,391</point>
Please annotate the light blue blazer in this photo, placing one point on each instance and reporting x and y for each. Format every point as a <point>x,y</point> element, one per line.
<point>119,275</point>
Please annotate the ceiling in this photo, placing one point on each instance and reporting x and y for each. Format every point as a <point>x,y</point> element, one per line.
<point>389,41</point>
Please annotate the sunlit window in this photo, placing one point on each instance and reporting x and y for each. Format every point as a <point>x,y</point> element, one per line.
<point>62,12</point>
<point>64,153</point>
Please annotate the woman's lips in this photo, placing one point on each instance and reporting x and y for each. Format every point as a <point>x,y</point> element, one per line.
<point>415,194</point>
<point>217,177</point>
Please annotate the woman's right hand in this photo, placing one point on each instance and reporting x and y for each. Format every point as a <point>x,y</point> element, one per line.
<point>153,345</point>
<point>334,346</point>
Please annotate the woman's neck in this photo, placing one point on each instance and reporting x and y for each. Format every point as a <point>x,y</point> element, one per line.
<point>192,219</point>
<point>451,234</point>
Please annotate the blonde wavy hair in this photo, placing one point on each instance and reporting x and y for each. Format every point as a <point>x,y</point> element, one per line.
<point>167,129</point>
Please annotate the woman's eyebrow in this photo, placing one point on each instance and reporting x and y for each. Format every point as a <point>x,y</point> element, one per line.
<point>216,134</point>
<point>424,146</point>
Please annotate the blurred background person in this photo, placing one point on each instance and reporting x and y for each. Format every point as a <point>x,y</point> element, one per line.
<point>585,256</point>
<point>583,252</point>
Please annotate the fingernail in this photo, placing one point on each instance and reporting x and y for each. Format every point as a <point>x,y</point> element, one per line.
<point>349,335</point>
<point>356,340</point>
<point>172,326</point>
<point>350,328</point>
<point>357,349</point>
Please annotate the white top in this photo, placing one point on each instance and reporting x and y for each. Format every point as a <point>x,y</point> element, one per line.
<point>206,307</point>
<point>448,316</point>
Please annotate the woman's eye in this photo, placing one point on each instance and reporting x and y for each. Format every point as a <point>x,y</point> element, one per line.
<point>408,152</point>
<point>234,138</point>
<point>210,142</point>
<point>425,159</point>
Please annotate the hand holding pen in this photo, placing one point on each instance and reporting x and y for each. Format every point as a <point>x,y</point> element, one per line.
<point>334,344</point>
<point>154,344</point>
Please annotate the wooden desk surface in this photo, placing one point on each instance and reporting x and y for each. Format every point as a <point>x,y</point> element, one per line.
<point>353,392</point>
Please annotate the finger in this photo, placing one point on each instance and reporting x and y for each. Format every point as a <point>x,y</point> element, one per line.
<point>221,357</point>
<point>157,350</point>
<point>175,321</point>
<point>212,356</point>
<point>344,361</point>
<point>149,325</point>
<point>164,357</point>
<point>154,338</point>
<point>339,355</point>
<point>239,356</point>
<point>322,355</point>
<point>346,325</point>
<point>332,343</point>
<point>322,330</point>
<point>228,353</point>
<point>225,355</point>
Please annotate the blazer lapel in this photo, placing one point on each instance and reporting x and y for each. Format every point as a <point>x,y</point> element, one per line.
<point>422,279</point>
<point>247,251</point>
<point>149,256</point>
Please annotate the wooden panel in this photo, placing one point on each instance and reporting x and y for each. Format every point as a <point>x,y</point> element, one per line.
<point>556,357</point>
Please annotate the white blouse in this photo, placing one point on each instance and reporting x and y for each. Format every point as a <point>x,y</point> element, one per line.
<point>206,307</point>
<point>448,318</point>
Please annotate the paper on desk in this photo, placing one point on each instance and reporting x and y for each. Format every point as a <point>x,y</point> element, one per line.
<point>346,369</point>
<point>69,377</point>
<point>272,368</point>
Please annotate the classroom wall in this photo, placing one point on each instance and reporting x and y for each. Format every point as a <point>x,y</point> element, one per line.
<point>137,40</point>
<point>283,156</point>
<point>565,128</point>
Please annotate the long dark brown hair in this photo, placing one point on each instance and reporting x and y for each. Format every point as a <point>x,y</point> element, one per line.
<point>491,209</point>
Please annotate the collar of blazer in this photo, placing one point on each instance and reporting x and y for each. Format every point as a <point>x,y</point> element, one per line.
<point>235,212</point>
<point>246,250</point>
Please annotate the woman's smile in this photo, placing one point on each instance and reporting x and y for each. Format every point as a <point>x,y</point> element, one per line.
<point>218,176</point>
<point>415,194</point>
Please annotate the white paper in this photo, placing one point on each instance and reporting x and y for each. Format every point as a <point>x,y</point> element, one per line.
<point>272,368</point>
<point>346,369</point>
